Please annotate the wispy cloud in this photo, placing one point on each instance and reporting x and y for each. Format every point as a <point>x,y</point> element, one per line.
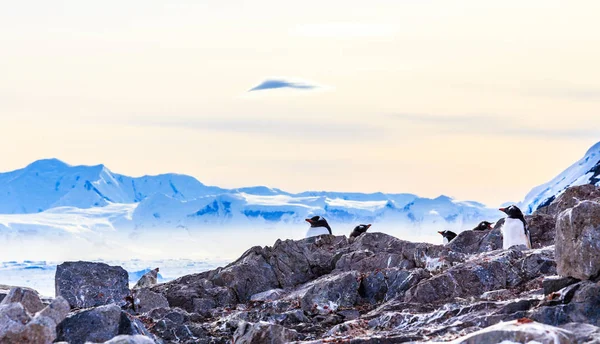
<point>494,125</point>
<point>277,128</point>
<point>271,84</point>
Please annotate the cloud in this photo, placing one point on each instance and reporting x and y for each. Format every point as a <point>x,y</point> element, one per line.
<point>275,128</point>
<point>494,125</point>
<point>271,84</point>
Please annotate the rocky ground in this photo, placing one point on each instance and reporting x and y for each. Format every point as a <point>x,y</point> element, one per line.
<point>331,289</point>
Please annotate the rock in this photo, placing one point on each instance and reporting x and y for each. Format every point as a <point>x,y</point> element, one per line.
<point>570,198</point>
<point>326,294</point>
<point>578,241</point>
<point>98,325</point>
<point>29,298</point>
<point>519,331</point>
<point>269,295</point>
<point>13,318</point>
<point>148,280</point>
<point>263,333</point>
<point>126,339</point>
<point>542,229</point>
<point>147,300</point>
<point>4,290</point>
<point>497,295</point>
<point>584,333</point>
<point>553,284</point>
<point>493,239</point>
<point>17,327</point>
<point>467,242</point>
<point>86,284</point>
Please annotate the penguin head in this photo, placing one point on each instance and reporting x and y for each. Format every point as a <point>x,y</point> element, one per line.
<point>483,225</point>
<point>317,221</point>
<point>362,228</point>
<point>512,211</point>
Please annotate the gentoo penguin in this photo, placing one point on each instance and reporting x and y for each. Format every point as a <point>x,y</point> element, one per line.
<point>483,225</point>
<point>448,236</point>
<point>318,226</point>
<point>358,230</point>
<point>514,229</point>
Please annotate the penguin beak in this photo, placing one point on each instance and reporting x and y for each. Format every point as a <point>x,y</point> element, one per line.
<point>369,225</point>
<point>490,226</point>
<point>440,232</point>
<point>502,210</point>
<point>309,221</point>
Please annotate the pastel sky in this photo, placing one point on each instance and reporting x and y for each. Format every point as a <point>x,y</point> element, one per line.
<point>478,100</point>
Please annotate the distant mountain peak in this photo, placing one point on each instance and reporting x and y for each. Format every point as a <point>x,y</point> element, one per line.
<point>48,163</point>
<point>584,171</point>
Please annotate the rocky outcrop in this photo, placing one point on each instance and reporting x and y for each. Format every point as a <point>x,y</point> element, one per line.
<point>372,289</point>
<point>28,298</point>
<point>98,325</point>
<point>262,333</point>
<point>86,284</point>
<point>570,198</point>
<point>290,264</point>
<point>148,280</point>
<point>578,241</point>
<point>519,331</point>
<point>17,326</point>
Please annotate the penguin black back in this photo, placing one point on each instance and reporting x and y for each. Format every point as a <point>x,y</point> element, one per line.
<point>358,230</point>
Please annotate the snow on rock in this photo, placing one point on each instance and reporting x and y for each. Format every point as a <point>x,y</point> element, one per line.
<point>584,171</point>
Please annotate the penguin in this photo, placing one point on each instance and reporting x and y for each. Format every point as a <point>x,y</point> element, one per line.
<point>448,236</point>
<point>358,230</point>
<point>483,225</point>
<point>514,229</point>
<point>318,226</point>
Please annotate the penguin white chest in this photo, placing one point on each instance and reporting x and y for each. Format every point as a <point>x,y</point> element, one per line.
<point>315,231</point>
<point>445,240</point>
<point>513,233</point>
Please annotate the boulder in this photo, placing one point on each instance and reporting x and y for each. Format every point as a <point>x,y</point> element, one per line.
<point>497,270</point>
<point>467,242</point>
<point>29,298</point>
<point>17,327</point>
<point>148,280</point>
<point>328,293</point>
<point>98,325</point>
<point>269,295</point>
<point>262,333</point>
<point>493,239</point>
<point>87,284</point>
<point>542,229</point>
<point>570,198</point>
<point>175,324</point>
<point>147,300</point>
<point>519,331</point>
<point>553,284</point>
<point>578,241</point>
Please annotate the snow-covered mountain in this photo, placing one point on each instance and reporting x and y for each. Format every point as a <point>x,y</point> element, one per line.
<point>91,209</point>
<point>173,200</point>
<point>584,171</point>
